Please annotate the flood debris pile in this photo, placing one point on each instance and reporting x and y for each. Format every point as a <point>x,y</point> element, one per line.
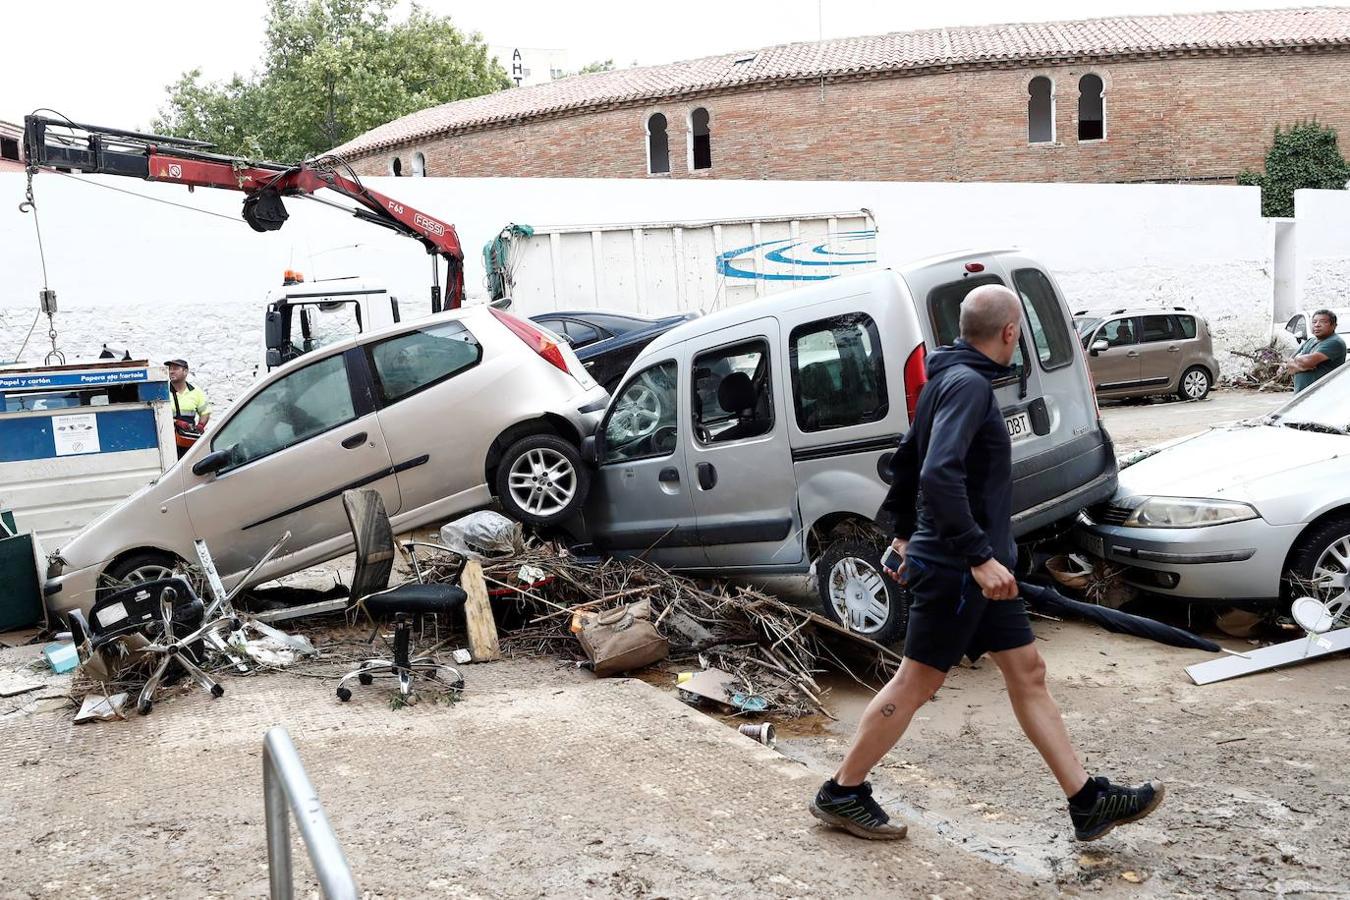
<point>1264,370</point>
<point>769,650</point>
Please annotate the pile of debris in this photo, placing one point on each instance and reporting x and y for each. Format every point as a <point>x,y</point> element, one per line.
<point>1265,370</point>
<point>767,649</point>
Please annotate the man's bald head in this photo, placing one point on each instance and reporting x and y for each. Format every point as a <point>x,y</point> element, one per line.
<point>986,311</point>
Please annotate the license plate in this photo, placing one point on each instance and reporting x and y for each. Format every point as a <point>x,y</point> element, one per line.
<point>1019,426</point>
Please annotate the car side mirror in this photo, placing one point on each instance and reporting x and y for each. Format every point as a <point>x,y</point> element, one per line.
<point>1099,346</point>
<point>590,449</point>
<point>273,358</point>
<point>213,462</point>
<point>273,337</point>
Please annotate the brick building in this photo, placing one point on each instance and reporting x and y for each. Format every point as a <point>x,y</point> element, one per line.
<point>1188,98</point>
<point>11,147</point>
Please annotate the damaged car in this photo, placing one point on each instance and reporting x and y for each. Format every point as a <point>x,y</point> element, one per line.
<point>440,416</point>
<point>1246,514</point>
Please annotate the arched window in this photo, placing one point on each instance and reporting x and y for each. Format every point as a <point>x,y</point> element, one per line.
<point>396,167</point>
<point>658,145</point>
<point>1091,108</point>
<point>700,140</point>
<point>1041,111</point>
<point>419,165</point>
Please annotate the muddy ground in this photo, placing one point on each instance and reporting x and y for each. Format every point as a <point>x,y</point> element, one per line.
<point>545,782</point>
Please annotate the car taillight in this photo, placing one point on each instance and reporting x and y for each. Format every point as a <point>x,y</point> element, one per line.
<point>916,376</point>
<point>538,341</point>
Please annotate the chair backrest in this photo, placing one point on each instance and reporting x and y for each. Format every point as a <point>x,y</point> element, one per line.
<point>374,540</point>
<point>135,608</point>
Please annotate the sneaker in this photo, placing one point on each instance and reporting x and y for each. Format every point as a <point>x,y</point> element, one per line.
<point>1115,805</point>
<point>854,810</point>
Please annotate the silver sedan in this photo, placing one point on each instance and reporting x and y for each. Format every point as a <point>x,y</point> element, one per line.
<point>1250,511</point>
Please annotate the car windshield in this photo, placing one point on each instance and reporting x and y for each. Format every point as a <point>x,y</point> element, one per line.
<point>1326,407</point>
<point>1085,325</point>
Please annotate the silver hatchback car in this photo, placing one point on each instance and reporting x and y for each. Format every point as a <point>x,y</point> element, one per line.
<point>440,416</point>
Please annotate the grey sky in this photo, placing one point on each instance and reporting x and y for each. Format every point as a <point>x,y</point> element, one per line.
<point>109,63</point>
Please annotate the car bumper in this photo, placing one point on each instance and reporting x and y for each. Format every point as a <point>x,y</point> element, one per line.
<point>589,409</point>
<point>1239,561</point>
<point>72,589</point>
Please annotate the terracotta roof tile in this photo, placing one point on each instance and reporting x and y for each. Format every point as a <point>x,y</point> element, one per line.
<point>895,52</point>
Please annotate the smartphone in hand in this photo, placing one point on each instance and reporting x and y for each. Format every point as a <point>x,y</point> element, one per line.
<point>891,560</point>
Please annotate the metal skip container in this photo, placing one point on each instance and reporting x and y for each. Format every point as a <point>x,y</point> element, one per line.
<point>77,439</point>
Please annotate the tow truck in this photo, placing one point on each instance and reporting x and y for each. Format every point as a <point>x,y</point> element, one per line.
<point>64,145</point>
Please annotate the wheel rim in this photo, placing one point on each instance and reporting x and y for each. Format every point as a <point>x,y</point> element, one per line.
<point>542,481</point>
<point>1331,579</point>
<point>142,574</point>
<point>637,415</point>
<point>1196,384</point>
<point>858,595</point>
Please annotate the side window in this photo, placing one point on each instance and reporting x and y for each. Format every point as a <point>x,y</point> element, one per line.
<point>1117,333</point>
<point>1045,316</point>
<point>1158,328</point>
<point>838,376</point>
<point>944,311</point>
<point>1295,326</point>
<point>415,361</point>
<point>1185,326</point>
<point>732,397</point>
<point>579,333</point>
<point>305,403</point>
<point>641,421</point>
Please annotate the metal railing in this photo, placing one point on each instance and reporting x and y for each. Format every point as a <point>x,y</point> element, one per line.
<point>287,789</point>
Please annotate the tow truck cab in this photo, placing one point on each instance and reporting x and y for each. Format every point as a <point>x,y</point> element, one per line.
<point>302,317</point>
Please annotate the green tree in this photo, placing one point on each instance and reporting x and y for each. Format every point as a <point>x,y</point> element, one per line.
<point>331,70</point>
<point>590,68</point>
<point>1305,156</point>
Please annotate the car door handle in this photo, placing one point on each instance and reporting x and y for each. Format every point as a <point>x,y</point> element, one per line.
<point>707,476</point>
<point>1173,349</point>
<point>356,440</point>
<point>669,475</point>
<point>1132,353</point>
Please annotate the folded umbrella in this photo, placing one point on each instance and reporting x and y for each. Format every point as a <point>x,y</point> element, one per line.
<point>1048,600</point>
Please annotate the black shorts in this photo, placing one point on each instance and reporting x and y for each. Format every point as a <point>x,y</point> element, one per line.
<point>950,617</point>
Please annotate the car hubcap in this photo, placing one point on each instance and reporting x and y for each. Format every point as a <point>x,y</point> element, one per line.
<point>543,482</point>
<point>140,575</point>
<point>858,595</point>
<point>1331,580</point>
<point>637,414</point>
<point>1195,385</point>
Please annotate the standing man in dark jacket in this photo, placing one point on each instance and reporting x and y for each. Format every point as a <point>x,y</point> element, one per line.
<point>952,502</point>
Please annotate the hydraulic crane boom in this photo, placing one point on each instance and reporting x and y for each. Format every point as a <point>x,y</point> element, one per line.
<point>92,149</point>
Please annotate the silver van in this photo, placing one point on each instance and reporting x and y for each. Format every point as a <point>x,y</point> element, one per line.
<point>757,440</point>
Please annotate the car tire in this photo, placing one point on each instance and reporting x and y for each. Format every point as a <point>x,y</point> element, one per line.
<point>850,581</point>
<point>540,480</point>
<point>1317,548</point>
<point>1195,384</point>
<point>138,567</point>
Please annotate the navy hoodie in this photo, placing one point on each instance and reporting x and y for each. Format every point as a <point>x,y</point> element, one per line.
<point>951,484</point>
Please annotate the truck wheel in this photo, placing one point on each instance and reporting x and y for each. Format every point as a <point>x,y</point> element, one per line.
<point>1319,566</point>
<point>857,593</point>
<point>541,481</point>
<point>1195,384</point>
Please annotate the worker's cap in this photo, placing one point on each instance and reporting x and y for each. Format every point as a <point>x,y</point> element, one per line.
<point>176,362</point>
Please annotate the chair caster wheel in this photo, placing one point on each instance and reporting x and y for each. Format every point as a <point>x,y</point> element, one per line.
<point>144,706</point>
<point>217,691</point>
<point>344,694</point>
<point>366,678</point>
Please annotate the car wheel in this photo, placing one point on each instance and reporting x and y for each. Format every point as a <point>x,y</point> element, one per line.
<point>541,481</point>
<point>1319,567</point>
<point>136,569</point>
<point>858,594</point>
<point>1195,384</point>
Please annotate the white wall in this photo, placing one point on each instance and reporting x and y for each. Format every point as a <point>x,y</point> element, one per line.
<point>1323,256</point>
<point>170,282</point>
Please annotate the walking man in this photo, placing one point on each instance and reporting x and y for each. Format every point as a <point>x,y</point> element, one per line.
<point>951,496</point>
<point>1320,354</point>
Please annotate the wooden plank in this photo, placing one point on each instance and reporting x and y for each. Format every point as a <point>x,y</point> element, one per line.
<point>478,614</point>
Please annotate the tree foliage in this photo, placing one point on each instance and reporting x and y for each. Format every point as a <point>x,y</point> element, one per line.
<point>590,68</point>
<point>1304,156</point>
<point>331,70</point>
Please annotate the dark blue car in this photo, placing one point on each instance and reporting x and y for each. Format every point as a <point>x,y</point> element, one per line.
<point>608,342</point>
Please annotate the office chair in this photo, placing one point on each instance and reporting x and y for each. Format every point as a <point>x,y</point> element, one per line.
<point>375,548</point>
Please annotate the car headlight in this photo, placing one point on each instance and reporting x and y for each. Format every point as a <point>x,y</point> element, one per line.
<point>1183,512</point>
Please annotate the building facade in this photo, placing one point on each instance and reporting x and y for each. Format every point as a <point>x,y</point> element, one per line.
<point>1167,98</point>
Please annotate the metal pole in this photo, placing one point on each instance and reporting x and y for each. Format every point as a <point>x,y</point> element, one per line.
<point>285,784</point>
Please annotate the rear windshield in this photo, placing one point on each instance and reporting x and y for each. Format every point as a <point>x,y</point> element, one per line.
<point>1049,330</point>
<point>944,309</point>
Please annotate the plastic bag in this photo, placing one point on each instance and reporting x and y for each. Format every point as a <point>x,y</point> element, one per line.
<point>482,535</point>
